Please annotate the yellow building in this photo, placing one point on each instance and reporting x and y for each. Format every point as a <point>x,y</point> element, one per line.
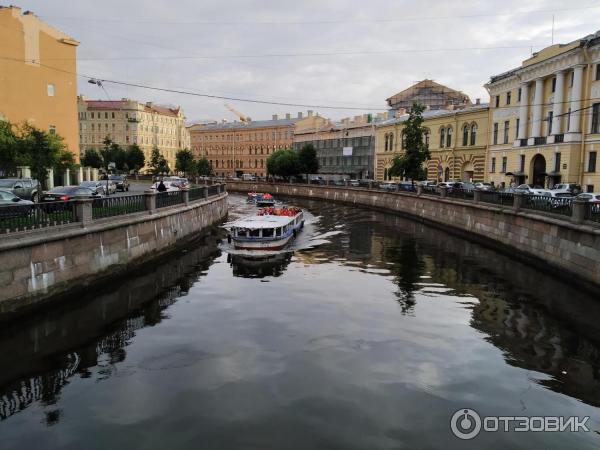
<point>128,122</point>
<point>456,140</point>
<point>38,82</point>
<point>545,118</point>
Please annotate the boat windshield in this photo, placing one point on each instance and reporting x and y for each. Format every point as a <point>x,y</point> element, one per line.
<point>241,232</point>
<point>267,232</point>
<point>255,233</point>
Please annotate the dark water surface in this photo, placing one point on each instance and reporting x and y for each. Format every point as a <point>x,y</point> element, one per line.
<point>369,336</point>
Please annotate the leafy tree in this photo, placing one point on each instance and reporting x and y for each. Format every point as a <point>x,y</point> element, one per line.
<point>283,163</point>
<point>307,159</point>
<point>184,161</point>
<point>91,158</point>
<point>135,158</point>
<point>410,164</point>
<point>155,159</point>
<point>203,167</point>
<point>42,153</point>
<point>113,153</point>
<point>8,149</point>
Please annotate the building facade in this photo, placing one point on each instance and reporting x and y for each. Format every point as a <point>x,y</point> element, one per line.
<point>545,118</point>
<point>430,94</point>
<point>457,141</point>
<point>345,149</point>
<point>237,148</point>
<point>128,122</point>
<point>38,75</point>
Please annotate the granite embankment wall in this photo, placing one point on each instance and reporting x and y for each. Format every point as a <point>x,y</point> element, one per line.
<point>552,243</point>
<point>42,264</point>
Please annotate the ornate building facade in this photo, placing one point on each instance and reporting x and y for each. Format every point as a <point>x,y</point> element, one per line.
<point>545,118</point>
<point>237,148</point>
<point>128,122</point>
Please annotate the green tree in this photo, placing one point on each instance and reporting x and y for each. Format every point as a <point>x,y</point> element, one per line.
<point>283,163</point>
<point>307,160</point>
<point>135,158</point>
<point>155,160</point>
<point>113,153</point>
<point>91,158</point>
<point>8,149</point>
<point>184,161</point>
<point>203,167</point>
<point>410,164</point>
<point>42,153</point>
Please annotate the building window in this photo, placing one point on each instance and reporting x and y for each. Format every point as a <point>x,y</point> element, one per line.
<point>403,139</point>
<point>473,134</point>
<point>592,161</point>
<point>387,138</point>
<point>497,101</point>
<point>519,95</point>
<point>597,72</point>
<point>590,188</point>
<point>51,90</point>
<point>52,129</point>
<point>449,137</point>
<point>508,97</point>
<point>495,135</point>
<point>465,139</point>
<point>427,139</point>
<point>595,118</point>
<point>554,84</point>
<point>391,141</point>
<point>557,162</point>
<point>522,163</point>
<point>92,115</point>
<point>550,117</point>
<point>493,169</point>
<point>568,119</point>
<point>572,78</point>
<point>506,128</point>
<point>503,165</point>
<point>517,128</point>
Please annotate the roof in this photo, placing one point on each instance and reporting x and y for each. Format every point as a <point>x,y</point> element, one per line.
<point>119,104</point>
<point>415,91</point>
<point>254,222</point>
<point>245,126</point>
<point>434,113</point>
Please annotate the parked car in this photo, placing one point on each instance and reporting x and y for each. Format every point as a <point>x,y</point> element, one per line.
<point>98,187</point>
<point>530,189</point>
<point>573,188</point>
<point>61,195</point>
<point>354,183</point>
<point>120,181</point>
<point>25,188</point>
<point>181,183</point>
<point>559,199</point>
<point>12,205</point>
<point>168,184</point>
<point>464,185</point>
<point>592,197</point>
<point>484,186</point>
<point>447,184</point>
<point>388,186</point>
<point>425,183</point>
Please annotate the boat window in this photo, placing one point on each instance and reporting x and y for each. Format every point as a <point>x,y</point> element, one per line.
<point>254,233</point>
<point>278,231</point>
<point>241,233</point>
<point>267,232</point>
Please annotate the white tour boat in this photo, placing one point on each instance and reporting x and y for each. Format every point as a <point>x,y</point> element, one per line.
<point>270,229</point>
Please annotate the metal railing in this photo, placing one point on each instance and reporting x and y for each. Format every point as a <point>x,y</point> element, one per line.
<point>15,218</point>
<point>164,199</point>
<point>196,193</point>
<point>117,206</point>
<point>431,190</point>
<point>555,205</point>
<point>592,211</point>
<point>497,198</point>
<point>464,194</point>
<point>214,190</point>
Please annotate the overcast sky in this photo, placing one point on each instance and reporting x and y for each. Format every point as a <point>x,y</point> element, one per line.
<point>347,52</point>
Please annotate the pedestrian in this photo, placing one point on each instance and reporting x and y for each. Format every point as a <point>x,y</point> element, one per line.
<point>161,186</point>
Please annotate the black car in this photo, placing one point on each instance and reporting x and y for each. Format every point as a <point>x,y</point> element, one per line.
<point>64,194</point>
<point>97,187</point>
<point>120,181</point>
<point>13,206</point>
<point>25,188</point>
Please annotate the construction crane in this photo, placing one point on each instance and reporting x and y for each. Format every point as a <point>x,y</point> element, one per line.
<point>243,118</point>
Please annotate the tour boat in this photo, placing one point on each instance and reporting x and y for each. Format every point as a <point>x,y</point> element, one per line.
<point>265,200</point>
<point>270,229</point>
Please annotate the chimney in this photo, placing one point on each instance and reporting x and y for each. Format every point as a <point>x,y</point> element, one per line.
<point>274,116</point>
<point>310,113</point>
<point>478,101</point>
<point>299,115</point>
<point>288,116</point>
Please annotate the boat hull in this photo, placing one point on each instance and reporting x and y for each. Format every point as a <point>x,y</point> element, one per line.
<point>277,244</point>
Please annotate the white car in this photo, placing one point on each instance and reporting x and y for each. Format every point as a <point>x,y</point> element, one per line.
<point>168,184</point>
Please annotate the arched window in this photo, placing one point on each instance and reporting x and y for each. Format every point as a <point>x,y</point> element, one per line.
<point>403,137</point>
<point>387,138</point>
<point>442,137</point>
<point>473,133</point>
<point>391,141</point>
<point>465,141</point>
<point>449,137</point>
<point>385,174</point>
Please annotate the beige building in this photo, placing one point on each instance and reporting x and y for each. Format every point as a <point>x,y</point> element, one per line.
<point>430,94</point>
<point>128,122</point>
<point>38,81</point>
<point>456,138</point>
<point>242,147</point>
<point>545,118</point>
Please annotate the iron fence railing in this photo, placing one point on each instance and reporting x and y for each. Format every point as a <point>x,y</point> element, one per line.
<point>592,211</point>
<point>196,193</point>
<point>117,206</point>
<point>33,216</point>
<point>164,199</point>
<point>555,205</point>
<point>431,190</point>
<point>213,190</point>
<point>497,198</point>
<point>464,194</point>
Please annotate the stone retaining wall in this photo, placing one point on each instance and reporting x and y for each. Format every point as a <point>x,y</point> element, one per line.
<point>39,265</point>
<point>554,244</point>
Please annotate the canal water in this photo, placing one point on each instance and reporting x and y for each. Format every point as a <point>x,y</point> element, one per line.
<point>371,334</point>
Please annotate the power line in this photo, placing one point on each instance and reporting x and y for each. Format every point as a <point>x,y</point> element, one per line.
<point>327,21</point>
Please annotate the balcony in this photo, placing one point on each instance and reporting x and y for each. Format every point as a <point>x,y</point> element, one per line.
<point>541,140</point>
<point>523,142</point>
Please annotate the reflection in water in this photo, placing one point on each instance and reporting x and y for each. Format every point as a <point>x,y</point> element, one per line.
<point>371,339</point>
